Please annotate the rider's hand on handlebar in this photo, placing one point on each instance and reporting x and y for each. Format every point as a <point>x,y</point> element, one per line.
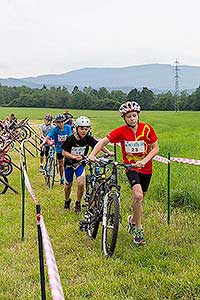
<point>111,153</point>
<point>92,158</point>
<point>79,157</point>
<point>139,164</point>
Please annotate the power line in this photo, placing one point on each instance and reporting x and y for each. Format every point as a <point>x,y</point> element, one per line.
<point>177,92</point>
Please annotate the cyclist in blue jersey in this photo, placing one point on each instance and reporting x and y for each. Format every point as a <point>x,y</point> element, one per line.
<point>59,134</point>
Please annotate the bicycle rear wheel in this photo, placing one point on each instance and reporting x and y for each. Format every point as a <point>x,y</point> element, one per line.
<point>96,216</point>
<point>20,133</point>
<point>93,227</point>
<point>3,184</point>
<point>6,168</point>
<point>111,216</point>
<point>2,142</point>
<point>51,173</point>
<point>7,156</point>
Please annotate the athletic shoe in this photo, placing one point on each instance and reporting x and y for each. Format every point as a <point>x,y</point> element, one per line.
<point>41,169</point>
<point>61,181</point>
<point>77,207</point>
<point>67,204</point>
<point>131,226</point>
<point>139,238</point>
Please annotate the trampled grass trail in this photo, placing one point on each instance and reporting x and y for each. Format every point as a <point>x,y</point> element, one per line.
<point>167,267</point>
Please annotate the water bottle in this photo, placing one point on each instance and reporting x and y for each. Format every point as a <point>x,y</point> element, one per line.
<point>97,169</point>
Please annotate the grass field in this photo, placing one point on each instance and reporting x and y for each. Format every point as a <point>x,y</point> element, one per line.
<point>167,267</point>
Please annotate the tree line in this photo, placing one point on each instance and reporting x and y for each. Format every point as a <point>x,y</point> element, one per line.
<point>101,99</point>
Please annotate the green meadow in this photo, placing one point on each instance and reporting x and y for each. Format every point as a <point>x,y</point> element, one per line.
<point>167,267</point>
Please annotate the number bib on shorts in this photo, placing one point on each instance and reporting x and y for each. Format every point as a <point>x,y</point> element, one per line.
<point>78,150</point>
<point>134,146</point>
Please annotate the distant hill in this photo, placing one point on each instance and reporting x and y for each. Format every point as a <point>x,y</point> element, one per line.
<point>157,77</point>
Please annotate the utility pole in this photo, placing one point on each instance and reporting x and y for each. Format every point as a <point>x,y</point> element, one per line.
<point>177,70</point>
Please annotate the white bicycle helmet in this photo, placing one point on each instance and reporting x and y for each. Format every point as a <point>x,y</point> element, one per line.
<point>83,121</point>
<point>48,117</point>
<point>128,107</point>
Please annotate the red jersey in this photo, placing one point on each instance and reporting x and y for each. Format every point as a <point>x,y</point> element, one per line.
<point>135,146</point>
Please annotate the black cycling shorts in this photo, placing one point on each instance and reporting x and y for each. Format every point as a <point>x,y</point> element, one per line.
<point>59,155</point>
<point>139,178</point>
<point>45,151</point>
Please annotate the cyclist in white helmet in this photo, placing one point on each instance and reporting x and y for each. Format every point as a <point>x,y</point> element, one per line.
<point>74,148</point>
<point>139,145</point>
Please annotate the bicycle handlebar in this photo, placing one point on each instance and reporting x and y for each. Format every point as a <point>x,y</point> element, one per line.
<point>106,160</point>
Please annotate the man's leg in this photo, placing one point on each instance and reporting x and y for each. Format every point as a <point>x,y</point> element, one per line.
<point>60,159</point>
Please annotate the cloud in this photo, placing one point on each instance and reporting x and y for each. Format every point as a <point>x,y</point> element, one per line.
<point>47,36</point>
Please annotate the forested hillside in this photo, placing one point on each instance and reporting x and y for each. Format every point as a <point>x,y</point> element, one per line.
<point>101,99</point>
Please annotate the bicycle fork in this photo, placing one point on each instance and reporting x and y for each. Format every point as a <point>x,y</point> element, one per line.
<point>105,206</point>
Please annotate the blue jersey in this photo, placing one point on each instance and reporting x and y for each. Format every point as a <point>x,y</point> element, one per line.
<point>60,136</point>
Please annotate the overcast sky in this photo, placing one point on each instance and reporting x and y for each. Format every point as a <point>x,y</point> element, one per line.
<point>56,36</point>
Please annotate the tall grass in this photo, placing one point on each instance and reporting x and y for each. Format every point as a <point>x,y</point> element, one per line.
<point>165,268</point>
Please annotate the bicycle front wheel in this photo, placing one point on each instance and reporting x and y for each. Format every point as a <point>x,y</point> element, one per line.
<point>51,172</point>
<point>111,216</point>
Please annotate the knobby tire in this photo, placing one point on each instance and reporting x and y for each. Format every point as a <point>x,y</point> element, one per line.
<point>110,225</point>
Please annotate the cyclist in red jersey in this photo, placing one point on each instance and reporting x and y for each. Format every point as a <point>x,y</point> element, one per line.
<point>139,145</point>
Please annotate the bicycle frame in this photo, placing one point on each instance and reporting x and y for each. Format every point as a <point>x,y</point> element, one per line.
<point>103,197</point>
<point>50,167</point>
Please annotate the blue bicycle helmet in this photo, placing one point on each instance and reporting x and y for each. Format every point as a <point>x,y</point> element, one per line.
<point>59,118</point>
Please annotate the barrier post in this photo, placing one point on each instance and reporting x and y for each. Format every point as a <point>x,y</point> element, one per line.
<point>23,198</point>
<point>168,190</point>
<point>41,258</point>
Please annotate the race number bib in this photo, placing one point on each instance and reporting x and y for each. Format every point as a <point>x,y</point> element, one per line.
<point>134,146</point>
<point>62,138</point>
<point>78,150</point>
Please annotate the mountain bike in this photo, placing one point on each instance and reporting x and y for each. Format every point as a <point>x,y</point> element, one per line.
<point>103,199</point>
<point>50,168</point>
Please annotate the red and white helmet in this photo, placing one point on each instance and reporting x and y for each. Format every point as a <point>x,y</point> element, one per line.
<point>128,107</point>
